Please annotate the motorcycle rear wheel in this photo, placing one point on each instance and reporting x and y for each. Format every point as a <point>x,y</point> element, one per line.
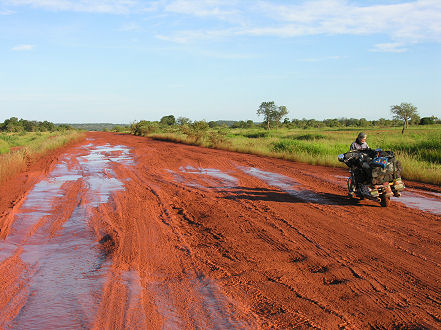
<point>385,201</point>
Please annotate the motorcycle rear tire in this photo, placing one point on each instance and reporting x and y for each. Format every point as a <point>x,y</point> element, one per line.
<point>385,201</point>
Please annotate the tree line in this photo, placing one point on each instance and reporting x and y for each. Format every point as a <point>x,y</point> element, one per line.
<point>14,124</point>
<point>404,115</point>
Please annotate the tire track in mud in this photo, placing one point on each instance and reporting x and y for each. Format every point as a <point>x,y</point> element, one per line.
<point>339,275</point>
<point>179,295</point>
<point>194,241</point>
<point>263,235</point>
<point>50,235</point>
<point>350,272</point>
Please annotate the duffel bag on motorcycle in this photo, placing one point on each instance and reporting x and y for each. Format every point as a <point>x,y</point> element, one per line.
<point>384,167</point>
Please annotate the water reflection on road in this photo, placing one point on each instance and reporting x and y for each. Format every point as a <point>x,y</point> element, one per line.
<point>68,268</point>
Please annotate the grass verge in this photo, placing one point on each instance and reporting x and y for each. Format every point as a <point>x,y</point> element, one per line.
<point>419,149</point>
<point>18,150</point>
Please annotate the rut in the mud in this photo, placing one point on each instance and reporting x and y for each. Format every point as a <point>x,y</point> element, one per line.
<point>127,232</point>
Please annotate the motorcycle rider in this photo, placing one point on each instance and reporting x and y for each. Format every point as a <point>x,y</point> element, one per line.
<point>360,142</point>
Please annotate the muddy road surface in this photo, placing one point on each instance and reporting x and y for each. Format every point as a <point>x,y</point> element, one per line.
<point>126,232</point>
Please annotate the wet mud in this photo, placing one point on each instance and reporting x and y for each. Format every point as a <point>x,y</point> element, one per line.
<point>127,232</point>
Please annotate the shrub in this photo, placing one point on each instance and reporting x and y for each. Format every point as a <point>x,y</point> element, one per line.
<point>257,135</point>
<point>218,139</point>
<point>144,128</point>
<point>283,146</point>
<point>309,137</point>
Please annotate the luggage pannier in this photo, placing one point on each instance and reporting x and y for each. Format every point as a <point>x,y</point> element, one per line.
<point>384,167</point>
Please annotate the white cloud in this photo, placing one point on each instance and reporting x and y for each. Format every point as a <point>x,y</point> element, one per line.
<point>204,8</point>
<point>403,21</point>
<point>183,37</point>
<point>21,48</point>
<point>393,47</point>
<point>92,6</point>
<point>415,21</point>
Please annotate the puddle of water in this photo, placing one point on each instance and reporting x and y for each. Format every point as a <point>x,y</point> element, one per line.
<point>165,305</point>
<point>210,309</point>
<point>216,306</point>
<point>213,177</point>
<point>286,184</point>
<point>225,179</point>
<point>70,267</point>
<point>135,317</point>
<point>180,179</point>
<point>414,200</point>
<point>434,193</point>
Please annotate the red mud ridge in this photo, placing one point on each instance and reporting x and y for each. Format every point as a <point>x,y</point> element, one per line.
<point>125,232</point>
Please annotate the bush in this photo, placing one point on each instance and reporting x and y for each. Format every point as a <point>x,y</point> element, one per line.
<point>309,137</point>
<point>257,135</point>
<point>428,120</point>
<point>284,146</point>
<point>144,128</point>
<point>218,138</point>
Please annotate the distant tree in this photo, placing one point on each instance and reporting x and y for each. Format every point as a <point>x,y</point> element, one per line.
<point>239,124</point>
<point>249,123</point>
<point>271,113</point>
<point>213,124</point>
<point>279,114</point>
<point>363,122</point>
<point>63,127</point>
<point>332,122</point>
<point>404,112</point>
<point>429,120</point>
<point>201,125</point>
<point>168,120</point>
<point>183,121</point>
<point>196,131</point>
<point>28,126</point>
<point>351,122</point>
<point>382,122</point>
<point>144,127</point>
<point>46,126</point>
<point>415,119</point>
<point>12,125</point>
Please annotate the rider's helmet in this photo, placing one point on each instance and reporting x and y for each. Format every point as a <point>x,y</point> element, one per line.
<point>361,136</point>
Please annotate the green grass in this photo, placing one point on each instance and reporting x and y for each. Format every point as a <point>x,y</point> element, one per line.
<point>418,149</point>
<point>18,149</point>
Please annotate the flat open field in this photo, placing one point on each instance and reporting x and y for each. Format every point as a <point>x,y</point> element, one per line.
<point>122,231</point>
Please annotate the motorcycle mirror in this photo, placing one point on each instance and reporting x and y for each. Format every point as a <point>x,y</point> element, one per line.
<point>341,157</point>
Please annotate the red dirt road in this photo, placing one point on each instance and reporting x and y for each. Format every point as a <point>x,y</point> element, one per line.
<point>125,232</point>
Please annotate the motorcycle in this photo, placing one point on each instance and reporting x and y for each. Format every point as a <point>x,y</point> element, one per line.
<point>375,175</point>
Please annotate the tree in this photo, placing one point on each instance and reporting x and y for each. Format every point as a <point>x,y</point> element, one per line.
<point>271,113</point>
<point>12,125</point>
<point>428,120</point>
<point>183,121</point>
<point>213,124</point>
<point>404,112</point>
<point>249,123</point>
<point>168,120</point>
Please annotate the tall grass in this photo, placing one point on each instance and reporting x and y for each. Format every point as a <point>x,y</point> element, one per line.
<point>419,149</point>
<point>18,150</point>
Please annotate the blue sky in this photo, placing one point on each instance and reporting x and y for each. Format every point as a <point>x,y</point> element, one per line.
<point>125,60</point>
